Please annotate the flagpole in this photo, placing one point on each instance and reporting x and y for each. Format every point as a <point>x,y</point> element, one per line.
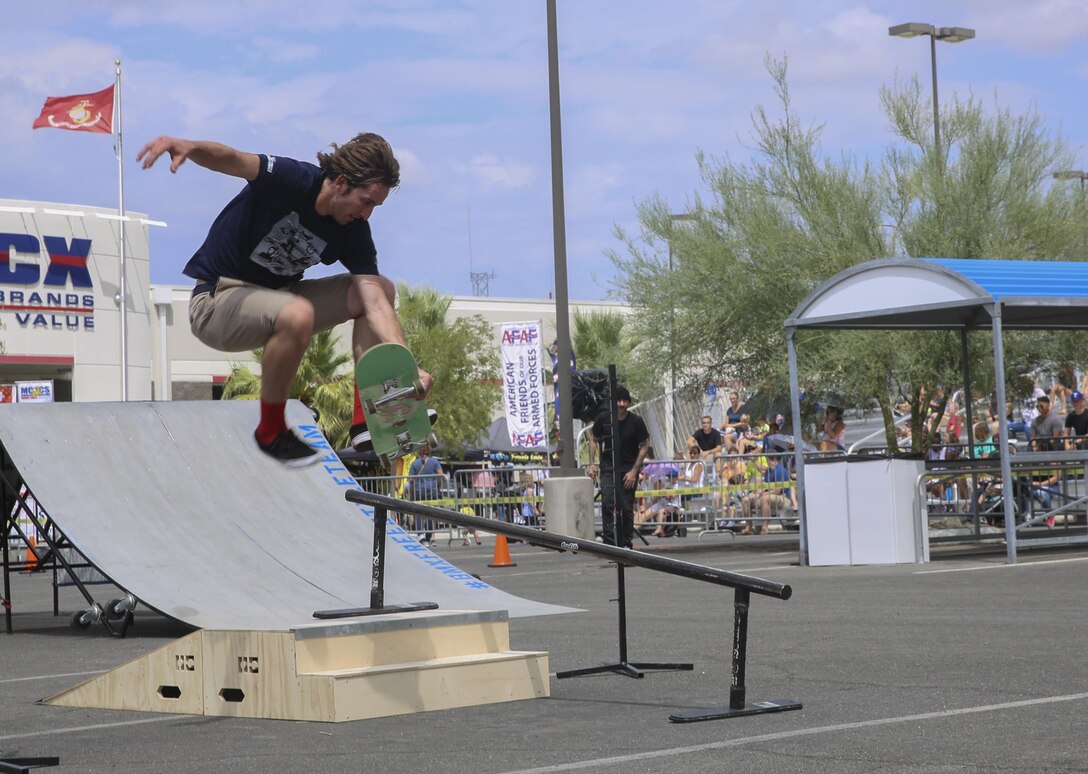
<point>122,296</point>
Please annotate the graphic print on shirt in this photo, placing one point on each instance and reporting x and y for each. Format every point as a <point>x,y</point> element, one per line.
<point>289,248</point>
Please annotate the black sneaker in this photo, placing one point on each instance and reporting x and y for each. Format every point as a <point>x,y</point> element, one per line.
<point>291,450</point>
<point>359,436</point>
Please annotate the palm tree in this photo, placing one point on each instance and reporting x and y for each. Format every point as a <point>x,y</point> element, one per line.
<point>598,339</point>
<point>321,383</point>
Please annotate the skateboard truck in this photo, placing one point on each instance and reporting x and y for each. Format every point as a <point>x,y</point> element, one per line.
<point>415,390</point>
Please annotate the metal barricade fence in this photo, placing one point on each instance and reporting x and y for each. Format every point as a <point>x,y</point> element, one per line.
<point>513,494</point>
<point>964,498</point>
<point>672,418</point>
<point>731,493</point>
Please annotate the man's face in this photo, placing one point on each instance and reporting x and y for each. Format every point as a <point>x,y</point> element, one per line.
<point>1044,407</point>
<point>356,202</point>
<point>622,404</point>
<point>1078,406</point>
<point>707,425</point>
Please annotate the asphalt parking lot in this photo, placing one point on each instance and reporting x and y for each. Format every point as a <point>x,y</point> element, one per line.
<point>965,664</point>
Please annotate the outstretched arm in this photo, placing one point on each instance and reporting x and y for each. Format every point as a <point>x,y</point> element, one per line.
<point>371,298</point>
<point>211,155</point>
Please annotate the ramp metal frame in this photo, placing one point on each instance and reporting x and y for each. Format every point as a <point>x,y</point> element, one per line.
<point>116,615</point>
<point>744,586</point>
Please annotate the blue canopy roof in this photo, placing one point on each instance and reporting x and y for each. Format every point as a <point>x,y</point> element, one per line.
<point>1018,279</point>
<point>949,293</point>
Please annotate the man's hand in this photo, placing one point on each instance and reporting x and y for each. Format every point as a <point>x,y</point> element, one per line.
<point>591,471</point>
<point>210,155</point>
<point>428,382</point>
<point>178,149</point>
<point>630,479</point>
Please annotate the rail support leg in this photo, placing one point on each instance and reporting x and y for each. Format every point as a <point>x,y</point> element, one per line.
<point>737,690</point>
<point>377,581</point>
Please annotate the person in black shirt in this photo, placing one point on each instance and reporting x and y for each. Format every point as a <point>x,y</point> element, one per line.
<point>707,439</point>
<point>1076,423</point>
<point>250,291</point>
<point>618,483</point>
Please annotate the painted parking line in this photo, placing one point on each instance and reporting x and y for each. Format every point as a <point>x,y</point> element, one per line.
<point>98,727</point>
<point>1002,566</point>
<point>50,677</point>
<point>800,732</point>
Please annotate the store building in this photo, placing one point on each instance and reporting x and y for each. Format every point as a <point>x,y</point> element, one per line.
<point>59,272</point>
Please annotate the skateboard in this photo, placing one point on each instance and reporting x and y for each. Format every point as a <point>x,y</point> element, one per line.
<point>391,392</point>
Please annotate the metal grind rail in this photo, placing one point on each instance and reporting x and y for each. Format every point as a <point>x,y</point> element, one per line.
<point>743,587</point>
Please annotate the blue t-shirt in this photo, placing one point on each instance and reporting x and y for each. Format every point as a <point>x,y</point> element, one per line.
<point>424,476</point>
<point>270,233</point>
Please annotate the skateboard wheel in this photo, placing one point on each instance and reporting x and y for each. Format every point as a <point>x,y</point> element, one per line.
<point>369,407</point>
<point>420,389</point>
<point>432,440</point>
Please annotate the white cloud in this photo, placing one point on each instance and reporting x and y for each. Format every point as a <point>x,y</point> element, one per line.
<point>496,173</point>
<point>278,49</point>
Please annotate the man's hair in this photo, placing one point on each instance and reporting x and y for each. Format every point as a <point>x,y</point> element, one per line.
<point>364,159</point>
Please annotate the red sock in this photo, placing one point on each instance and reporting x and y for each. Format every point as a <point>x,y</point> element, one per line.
<point>357,416</point>
<point>272,422</point>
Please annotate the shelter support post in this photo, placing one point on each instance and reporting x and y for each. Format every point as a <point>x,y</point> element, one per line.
<point>798,447</point>
<point>1003,436</point>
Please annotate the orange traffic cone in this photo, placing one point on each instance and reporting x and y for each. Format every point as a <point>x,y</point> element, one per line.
<point>31,554</point>
<point>502,553</point>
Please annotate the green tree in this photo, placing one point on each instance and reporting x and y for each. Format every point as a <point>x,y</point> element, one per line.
<point>460,355</point>
<point>325,382</point>
<point>601,338</point>
<point>763,234</point>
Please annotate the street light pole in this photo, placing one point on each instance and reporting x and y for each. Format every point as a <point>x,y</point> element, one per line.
<point>948,35</point>
<point>1075,174</point>
<point>673,218</point>
<point>559,244</point>
<point>1072,174</point>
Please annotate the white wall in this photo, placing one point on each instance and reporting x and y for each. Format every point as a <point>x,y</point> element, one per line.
<point>51,331</point>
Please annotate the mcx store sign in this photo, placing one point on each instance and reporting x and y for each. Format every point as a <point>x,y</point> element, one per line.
<point>59,298</point>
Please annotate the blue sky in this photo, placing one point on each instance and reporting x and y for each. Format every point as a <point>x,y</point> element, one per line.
<point>460,89</point>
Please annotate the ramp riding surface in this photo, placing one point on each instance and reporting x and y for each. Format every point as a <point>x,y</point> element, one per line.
<point>174,503</point>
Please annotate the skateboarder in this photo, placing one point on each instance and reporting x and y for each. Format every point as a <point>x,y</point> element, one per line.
<point>250,290</point>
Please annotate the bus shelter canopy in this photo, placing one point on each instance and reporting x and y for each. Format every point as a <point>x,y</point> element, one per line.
<point>949,293</point>
<point>943,294</point>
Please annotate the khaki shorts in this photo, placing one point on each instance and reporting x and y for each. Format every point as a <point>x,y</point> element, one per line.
<point>238,315</point>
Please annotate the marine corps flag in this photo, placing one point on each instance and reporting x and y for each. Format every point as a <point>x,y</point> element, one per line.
<point>80,112</point>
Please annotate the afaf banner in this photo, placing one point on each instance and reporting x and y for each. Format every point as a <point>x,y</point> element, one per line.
<point>523,385</point>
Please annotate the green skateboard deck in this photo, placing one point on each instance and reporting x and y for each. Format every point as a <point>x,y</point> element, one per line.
<point>390,391</point>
